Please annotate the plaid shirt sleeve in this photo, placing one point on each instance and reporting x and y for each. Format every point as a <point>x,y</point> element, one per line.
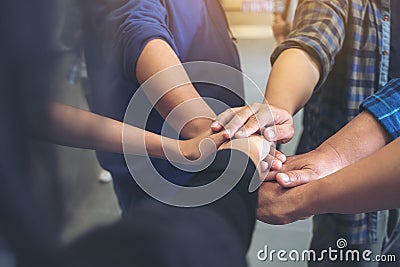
<point>385,107</point>
<point>319,29</point>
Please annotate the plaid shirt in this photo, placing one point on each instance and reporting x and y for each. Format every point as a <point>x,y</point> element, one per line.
<point>385,106</point>
<point>350,39</point>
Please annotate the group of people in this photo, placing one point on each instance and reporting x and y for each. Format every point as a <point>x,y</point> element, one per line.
<point>340,62</point>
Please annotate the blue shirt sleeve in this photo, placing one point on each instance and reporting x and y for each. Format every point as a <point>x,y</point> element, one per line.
<point>127,26</point>
<point>385,107</point>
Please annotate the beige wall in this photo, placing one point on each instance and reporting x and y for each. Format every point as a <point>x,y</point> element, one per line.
<point>231,4</point>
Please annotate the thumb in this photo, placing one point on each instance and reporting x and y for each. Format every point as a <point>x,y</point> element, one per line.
<point>294,178</point>
<point>218,138</point>
<point>281,133</point>
<point>209,145</point>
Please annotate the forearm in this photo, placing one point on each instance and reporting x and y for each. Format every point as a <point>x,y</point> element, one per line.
<point>368,185</point>
<point>360,138</point>
<point>74,127</point>
<point>293,78</point>
<point>193,114</point>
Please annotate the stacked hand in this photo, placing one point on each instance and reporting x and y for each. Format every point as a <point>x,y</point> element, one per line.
<point>260,150</point>
<point>280,199</point>
<point>283,201</point>
<point>274,123</point>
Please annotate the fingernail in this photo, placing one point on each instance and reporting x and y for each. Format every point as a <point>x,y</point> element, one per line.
<point>282,157</point>
<point>214,124</point>
<point>285,178</point>
<point>271,134</point>
<point>240,133</point>
<point>264,166</point>
<point>228,133</point>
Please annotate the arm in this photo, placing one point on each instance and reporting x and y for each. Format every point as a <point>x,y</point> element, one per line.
<point>368,185</point>
<point>143,46</point>
<point>300,65</point>
<point>358,139</point>
<point>376,126</point>
<point>194,115</point>
<point>373,185</point>
<point>285,97</point>
<point>291,94</point>
<point>74,127</point>
<point>311,48</point>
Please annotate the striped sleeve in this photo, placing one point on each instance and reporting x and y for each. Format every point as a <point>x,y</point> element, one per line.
<point>385,107</point>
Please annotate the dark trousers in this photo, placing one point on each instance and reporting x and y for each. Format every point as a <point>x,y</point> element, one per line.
<point>156,234</point>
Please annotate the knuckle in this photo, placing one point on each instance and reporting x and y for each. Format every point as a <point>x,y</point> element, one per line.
<point>296,176</point>
<point>253,119</point>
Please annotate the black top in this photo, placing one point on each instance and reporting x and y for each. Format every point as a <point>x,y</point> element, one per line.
<point>394,67</point>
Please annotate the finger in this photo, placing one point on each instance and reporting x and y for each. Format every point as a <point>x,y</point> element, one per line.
<point>217,138</point>
<point>222,119</point>
<point>210,144</point>
<point>276,165</point>
<point>264,166</point>
<point>273,165</point>
<point>257,122</point>
<point>277,154</point>
<point>271,176</point>
<point>280,133</point>
<point>239,120</point>
<point>251,126</point>
<point>216,126</point>
<point>293,178</point>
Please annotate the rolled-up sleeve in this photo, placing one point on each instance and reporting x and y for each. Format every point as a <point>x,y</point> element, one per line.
<point>319,29</point>
<point>384,105</point>
<point>127,26</point>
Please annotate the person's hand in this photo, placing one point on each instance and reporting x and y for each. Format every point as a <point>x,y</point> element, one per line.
<point>274,123</point>
<point>280,28</point>
<point>301,169</point>
<point>277,205</point>
<point>260,151</point>
<point>200,147</point>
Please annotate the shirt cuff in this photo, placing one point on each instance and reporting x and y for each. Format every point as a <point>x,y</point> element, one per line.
<point>385,107</point>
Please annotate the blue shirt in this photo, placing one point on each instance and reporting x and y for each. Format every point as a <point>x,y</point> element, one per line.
<point>116,31</point>
<point>385,107</point>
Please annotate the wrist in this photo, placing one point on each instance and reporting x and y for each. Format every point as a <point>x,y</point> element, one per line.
<point>310,201</point>
<point>197,127</point>
<point>188,150</point>
<point>329,158</point>
<point>172,149</point>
